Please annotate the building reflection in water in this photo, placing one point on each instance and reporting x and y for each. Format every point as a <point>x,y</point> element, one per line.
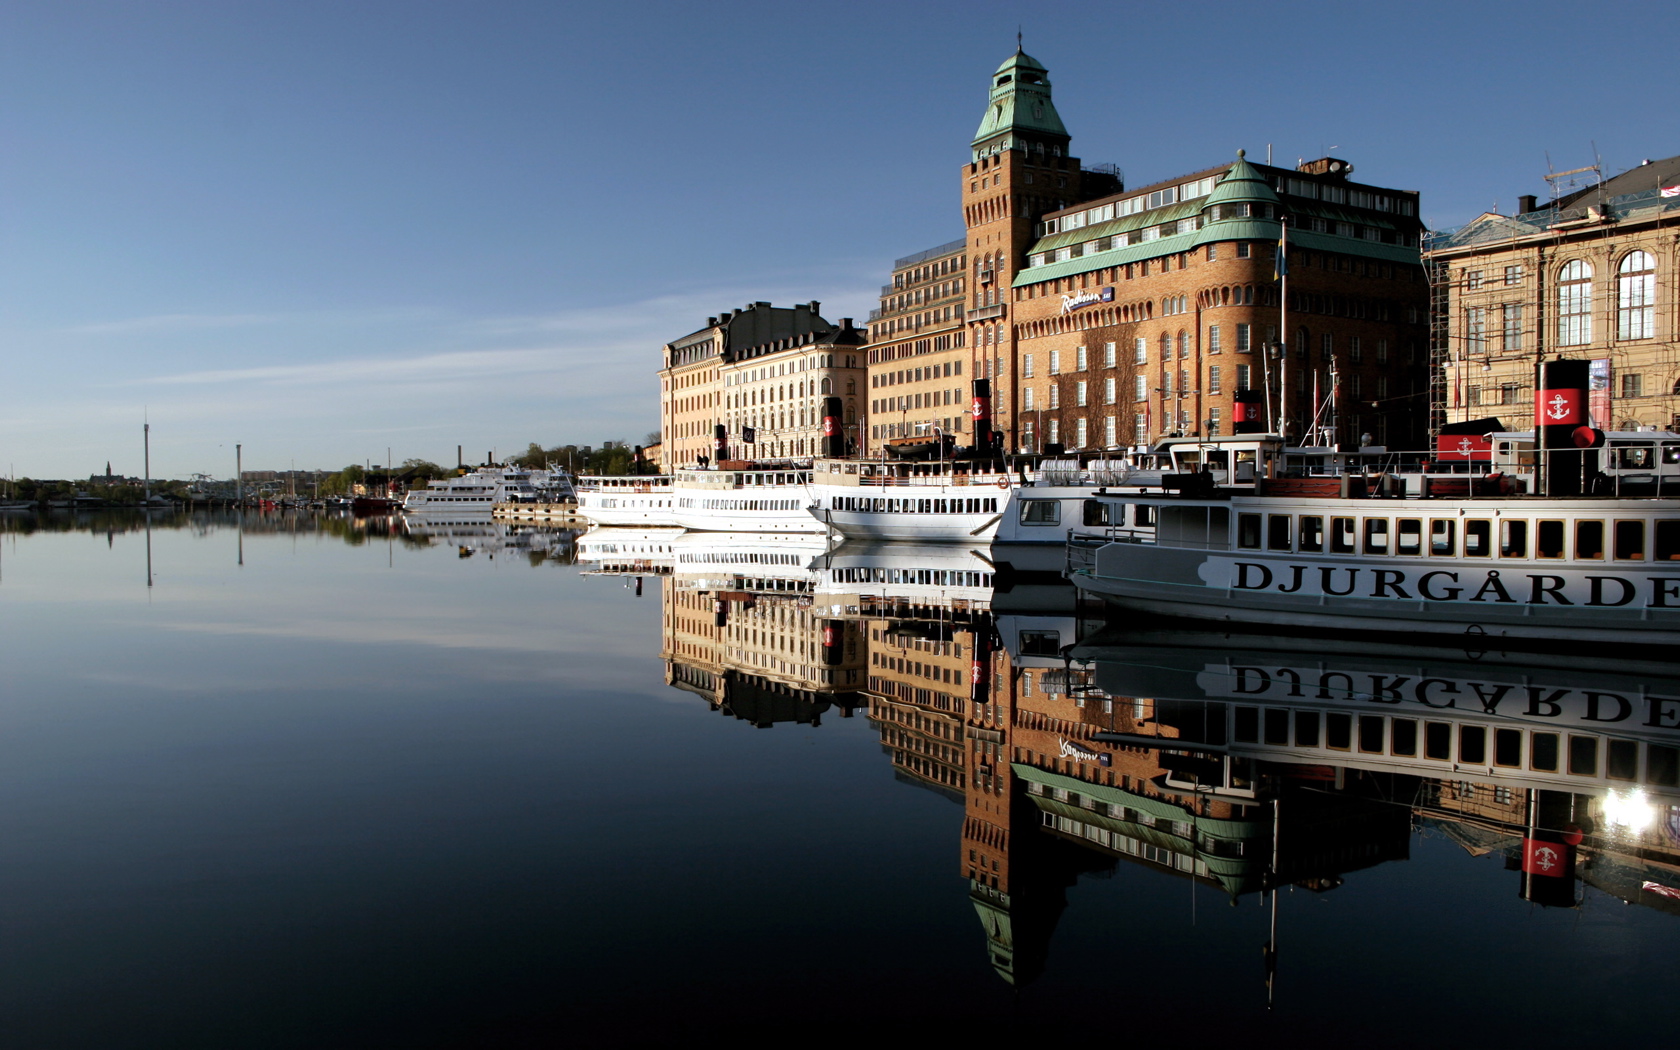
<point>1245,765</point>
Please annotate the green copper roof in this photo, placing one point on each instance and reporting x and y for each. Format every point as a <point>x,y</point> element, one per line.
<point>1241,183</point>
<point>1020,101</point>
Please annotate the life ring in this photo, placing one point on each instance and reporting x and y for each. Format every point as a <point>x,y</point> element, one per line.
<point>1002,483</point>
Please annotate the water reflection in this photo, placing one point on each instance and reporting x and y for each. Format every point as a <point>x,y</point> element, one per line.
<point>1241,765</point>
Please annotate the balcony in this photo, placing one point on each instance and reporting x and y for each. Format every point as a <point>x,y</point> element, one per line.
<point>986,313</point>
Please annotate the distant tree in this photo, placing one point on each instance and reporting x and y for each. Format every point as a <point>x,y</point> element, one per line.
<point>424,470</point>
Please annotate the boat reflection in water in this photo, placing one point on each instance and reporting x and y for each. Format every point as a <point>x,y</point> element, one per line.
<point>1245,765</point>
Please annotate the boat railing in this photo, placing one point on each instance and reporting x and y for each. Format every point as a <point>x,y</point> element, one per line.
<point>1001,481</point>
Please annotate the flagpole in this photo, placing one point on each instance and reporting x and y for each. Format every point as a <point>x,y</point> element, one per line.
<point>1283,331</point>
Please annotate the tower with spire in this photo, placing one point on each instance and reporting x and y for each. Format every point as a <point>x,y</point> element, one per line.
<point>1019,168</point>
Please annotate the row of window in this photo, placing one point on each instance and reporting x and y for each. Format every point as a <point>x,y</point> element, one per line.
<point>890,505</point>
<point>916,375</point>
<point>1636,299</point>
<point>1593,539</point>
<point>1511,748</point>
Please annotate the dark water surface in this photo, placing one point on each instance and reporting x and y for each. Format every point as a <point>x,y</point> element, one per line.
<point>372,790</point>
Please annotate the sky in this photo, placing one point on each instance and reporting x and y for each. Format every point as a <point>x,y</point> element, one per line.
<point>328,230</point>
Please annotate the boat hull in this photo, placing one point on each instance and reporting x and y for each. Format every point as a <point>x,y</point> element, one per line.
<point>1388,596</point>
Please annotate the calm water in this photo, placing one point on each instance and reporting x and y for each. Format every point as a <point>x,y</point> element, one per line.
<point>319,784</point>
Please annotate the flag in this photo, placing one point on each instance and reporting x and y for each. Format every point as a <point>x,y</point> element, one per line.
<point>1671,191</point>
<point>1280,260</point>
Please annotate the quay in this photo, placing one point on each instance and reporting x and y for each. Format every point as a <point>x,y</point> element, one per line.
<point>552,513</point>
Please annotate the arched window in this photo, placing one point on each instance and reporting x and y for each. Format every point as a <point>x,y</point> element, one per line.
<point>1636,296</point>
<point>1575,304</point>
<point>825,385</point>
<point>1183,344</point>
<point>1303,343</point>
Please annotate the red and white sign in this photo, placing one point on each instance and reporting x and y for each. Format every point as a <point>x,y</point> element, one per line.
<point>982,408</point>
<point>1671,191</point>
<point>1659,889</point>
<point>1544,858</point>
<point>1463,447</point>
<point>1560,407</point>
<point>831,426</point>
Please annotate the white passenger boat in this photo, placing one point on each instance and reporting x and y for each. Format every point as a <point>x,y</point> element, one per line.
<point>1414,553</point>
<point>621,551</point>
<point>627,500</point>
<point>481,489</point>
<point>874,578</point>
<point>951,502</point>
<point>748,562</point>
<point>740,496</point>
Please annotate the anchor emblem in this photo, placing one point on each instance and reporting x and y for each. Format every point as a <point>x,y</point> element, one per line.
<point>1558,407</point>
<point>1465,447</point>
<point>1546,858</point>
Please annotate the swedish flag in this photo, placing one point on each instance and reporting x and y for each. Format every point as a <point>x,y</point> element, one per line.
<point>1280,261</point>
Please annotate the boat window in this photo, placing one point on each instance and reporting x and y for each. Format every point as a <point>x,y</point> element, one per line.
<point>1437,740</point>
<point>1338,731</point>
<point>1040,512</point>
<point>1621,759</point>
<point>1662,765</point>
<point>1441,537</point>
<point>1312,532</point>
<point>1477,542</point>
<point>1513,539</point>
<point>1376,535</point>
<point>1507,747</point>
<point>1589,540</point>
<point>1403,736</point>
<point>1583,756</point>
<point>1408,536</point>
<point>1635,457</point>
<point>1371,733</point>
<point>1472,745</point>
<point>1277,532</point>
<point>1306,729</point>
<point>1248,531</point>
<point>1097,512</point>
<point>1143,515</point>
<point>1670,452</point>
<point>1277,726</point>
<point>1543,752</point>
<point>1341,535</point>
<point>1667,540</point>
<point>1630,541</point>
<point>1548,539</point>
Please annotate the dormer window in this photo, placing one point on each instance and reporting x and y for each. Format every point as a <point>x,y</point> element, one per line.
<point>1003,80</point>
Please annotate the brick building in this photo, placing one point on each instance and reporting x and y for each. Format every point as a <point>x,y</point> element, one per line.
<point>1589,276</point>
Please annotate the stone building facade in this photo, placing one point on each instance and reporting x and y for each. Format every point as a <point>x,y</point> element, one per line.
<point>1588,276</point>
<point>918,348</point>
<point>761,372</point>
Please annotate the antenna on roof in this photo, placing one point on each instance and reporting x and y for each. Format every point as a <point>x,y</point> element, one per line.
<point>1017,38</point>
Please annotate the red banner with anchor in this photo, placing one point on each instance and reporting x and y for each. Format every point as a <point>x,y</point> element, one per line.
<point>1544,858</point>
<point>1463,447</point>
<point>1560,407</point>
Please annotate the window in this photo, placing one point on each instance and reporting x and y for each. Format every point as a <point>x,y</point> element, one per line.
<point>1513,538</point>
<point>1244,372</point>
<point>1633,384</point>
<point>1278,532</point>
<point>1027,399</point>
<point>1140,351</point>
<point>1213,339</point>
<point>1041,512</point>
<point>1243,344</point>
<point>1055,397</point>
<point>1510,327</point>
<point>1108,393</point>
<point>1341,535</point>
<point>1109,436</point>
<point>1242,249</point>
<point>1513,275</point>
<point>1079,433</point>
<point>1475,330</point>
<point>1108,355</point>
<point>1441,537</point>
<point>1079,359</point>
<point>1376,535</point>
<point>1636,296</point>
<point>1055,362</point>
<point>1079,394</point>
<point>1575,304</point>
<point>1213,379</point>
<point>1356,352</point>
<point>1027,366</point>
<point>1312,533</point>
<point>1473,279</point>
<point>1142,391</point>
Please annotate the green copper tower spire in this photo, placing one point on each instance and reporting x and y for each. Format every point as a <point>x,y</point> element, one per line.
<point>1020,109</point>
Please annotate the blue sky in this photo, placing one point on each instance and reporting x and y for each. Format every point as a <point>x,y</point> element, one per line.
<point>325,229</point>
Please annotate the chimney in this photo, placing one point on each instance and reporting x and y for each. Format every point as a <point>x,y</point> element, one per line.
<point>711,322</point>
<point>816,307</point>
<point>845,324</point>
<point>1525,204</point>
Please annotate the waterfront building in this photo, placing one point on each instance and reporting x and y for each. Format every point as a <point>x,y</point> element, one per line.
<point>918,348</point>
<point>1590,275</point>
<point>761,373</point>
<point>1145,314</point>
